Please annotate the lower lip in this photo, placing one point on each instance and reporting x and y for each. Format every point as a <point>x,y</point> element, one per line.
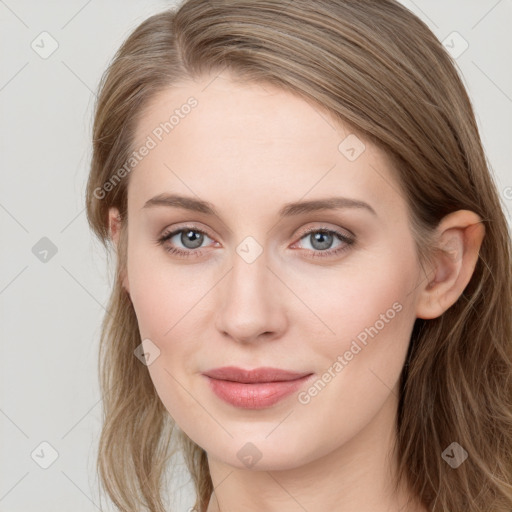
<point>255,396</point>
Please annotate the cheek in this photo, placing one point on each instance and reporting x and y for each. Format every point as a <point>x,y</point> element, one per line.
<point>365,310</point>
<point>161,292</point>
<point>370,311</point>
<point>165,297</point>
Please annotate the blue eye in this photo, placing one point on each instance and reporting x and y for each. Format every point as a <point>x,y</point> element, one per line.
<point>322,239</point>
<point>192,238</point>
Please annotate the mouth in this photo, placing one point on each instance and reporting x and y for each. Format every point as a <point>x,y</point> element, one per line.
<point>258,375</point>
<point>254,389</point>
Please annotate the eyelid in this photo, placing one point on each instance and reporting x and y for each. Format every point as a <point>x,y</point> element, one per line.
<point>344,231</point>
<point>302,232</point>
<point>192,226</point>
<point>346,239</point>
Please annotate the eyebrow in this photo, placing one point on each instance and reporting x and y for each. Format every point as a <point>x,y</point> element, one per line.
<point>288,210</point>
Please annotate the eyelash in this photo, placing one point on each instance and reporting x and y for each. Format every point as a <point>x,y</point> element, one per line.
<point>316,254</point>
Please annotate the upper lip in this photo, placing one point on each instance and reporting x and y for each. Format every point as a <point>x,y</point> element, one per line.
<point>263,374</point>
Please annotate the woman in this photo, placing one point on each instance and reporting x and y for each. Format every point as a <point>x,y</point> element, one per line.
<point>313,284</point>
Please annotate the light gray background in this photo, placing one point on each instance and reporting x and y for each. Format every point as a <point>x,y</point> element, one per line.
<point>51,311</point>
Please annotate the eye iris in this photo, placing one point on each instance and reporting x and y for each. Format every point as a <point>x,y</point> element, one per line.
<point>322,240</point>
<point>191,237</point>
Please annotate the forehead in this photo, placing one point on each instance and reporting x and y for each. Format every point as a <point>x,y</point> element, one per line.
<point>247,113</point>
<point>248,138</point>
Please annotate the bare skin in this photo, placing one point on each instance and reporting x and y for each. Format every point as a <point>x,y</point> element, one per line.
<point>249,150</point>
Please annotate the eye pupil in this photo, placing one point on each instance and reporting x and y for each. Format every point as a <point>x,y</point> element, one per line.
<point>322,240</point>
<point>191,237</point>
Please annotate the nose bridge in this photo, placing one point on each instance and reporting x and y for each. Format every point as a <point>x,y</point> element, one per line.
<point>250,305</point>
<point>249,267</point>
<point>249,276</point>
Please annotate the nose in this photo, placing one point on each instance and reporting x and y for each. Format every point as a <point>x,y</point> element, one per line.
<point>251,302</point>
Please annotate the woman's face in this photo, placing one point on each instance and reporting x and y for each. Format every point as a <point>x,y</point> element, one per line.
<point>256,282</point>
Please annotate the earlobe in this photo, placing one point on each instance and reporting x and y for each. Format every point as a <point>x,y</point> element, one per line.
<point>460,236</point>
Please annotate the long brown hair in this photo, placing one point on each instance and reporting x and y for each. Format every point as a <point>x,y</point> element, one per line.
<point>380,70</point>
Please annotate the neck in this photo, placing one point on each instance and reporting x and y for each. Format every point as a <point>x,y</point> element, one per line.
<point>356,477</point>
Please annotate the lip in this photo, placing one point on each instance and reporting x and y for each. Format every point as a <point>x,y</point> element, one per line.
<point>258,375</point>
<point>254,389</point>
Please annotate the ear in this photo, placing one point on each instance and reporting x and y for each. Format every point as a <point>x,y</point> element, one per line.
<point>114,225</point>
<point>115,222</point>
<point>459,235</point>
